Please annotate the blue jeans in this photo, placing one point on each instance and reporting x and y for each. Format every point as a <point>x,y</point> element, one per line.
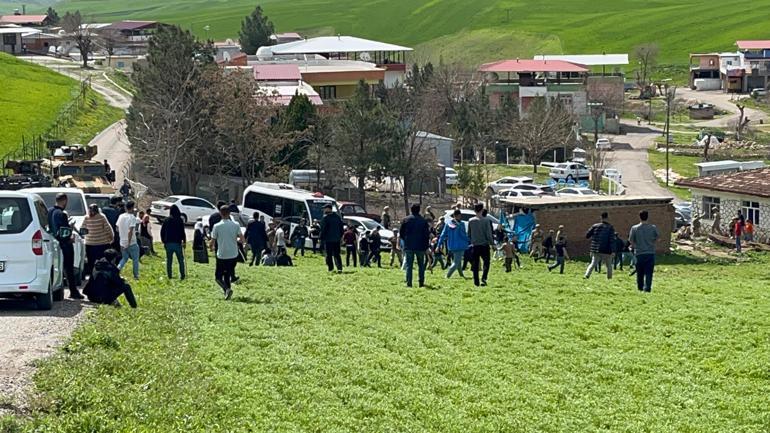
<point>457,263</point>
<point>171,250</point>
<point>131,252</point>
<point>410,255</point>
<point>645,267</point>
<point>738,244</point>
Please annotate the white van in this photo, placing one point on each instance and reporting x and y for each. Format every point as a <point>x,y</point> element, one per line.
<point>284,201</point>
<point>30,257</point>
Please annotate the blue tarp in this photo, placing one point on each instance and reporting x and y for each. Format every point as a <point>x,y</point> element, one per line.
<point>521,226</point>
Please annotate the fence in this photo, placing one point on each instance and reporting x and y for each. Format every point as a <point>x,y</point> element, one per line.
<point>35,147</point>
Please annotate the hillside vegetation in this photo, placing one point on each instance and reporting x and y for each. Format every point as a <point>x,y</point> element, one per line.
<point>479,30</point>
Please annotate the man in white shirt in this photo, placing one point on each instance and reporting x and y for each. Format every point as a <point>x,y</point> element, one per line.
<point>280,238</point>
<point>128,230</point>
<point>226,235</point>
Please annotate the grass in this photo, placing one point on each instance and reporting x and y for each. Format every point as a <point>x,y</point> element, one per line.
<point>566,26</point>
<point>122,80</point>
<point>680,164</point>
<point>298,349</point>
<point>31,98</point>
<point>96,116</point>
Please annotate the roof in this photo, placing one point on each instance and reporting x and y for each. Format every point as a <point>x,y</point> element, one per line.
<point>277,72</point>
<point>132,25</point>
<point>753,45</point>
<point>334,44</point>
<point>283,94</point>
<point>525,66</point>
<point>749,182</point>
<point>550,202</point>
<point>423,134</point>
<point>288,35</point>
<point>22,19</point>
<point>588,59</point>
<point>23,30</point>
<point>719,164</point>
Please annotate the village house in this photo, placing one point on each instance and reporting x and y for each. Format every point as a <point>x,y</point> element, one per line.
<point>11,38</point>
<point>25,20</point>
<point>279,83</point>
<point>705,71</point>
<point>745,191</point>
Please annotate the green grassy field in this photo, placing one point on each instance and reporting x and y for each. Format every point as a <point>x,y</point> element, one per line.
<point>92,119</point>
<point>680,164</point>
<point>477,31</point>
<point>298,350</point>
<point>31,97</point>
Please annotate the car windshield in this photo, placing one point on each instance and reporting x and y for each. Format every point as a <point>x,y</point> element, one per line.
<point>171,199</point>
<point>317,208</point>
<point>102,202</point>
<point>370,224</point>
<point>75,205</point>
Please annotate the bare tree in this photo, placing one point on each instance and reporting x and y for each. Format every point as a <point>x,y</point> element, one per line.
<point>646,56</point>
<point>110,39</point>
<point>742,122</point>
<point>547,125</point>
<point>80,33</point>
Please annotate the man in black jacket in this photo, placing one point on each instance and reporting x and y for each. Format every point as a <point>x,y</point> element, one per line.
<point>106,285</point>
<point>415,231</point>
<point>602,236</point>
<point>331,237</point>
<point>298,237</point>
<point>62,231</point>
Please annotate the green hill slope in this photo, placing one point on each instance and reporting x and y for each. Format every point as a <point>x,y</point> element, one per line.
<point>507,27</point>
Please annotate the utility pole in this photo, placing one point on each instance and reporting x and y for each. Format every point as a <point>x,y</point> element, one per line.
<point>670,93</point>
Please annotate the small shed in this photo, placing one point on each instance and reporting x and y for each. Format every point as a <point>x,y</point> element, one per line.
<point>578,214</point>
<point>701,111</point>
<point>441,146</point>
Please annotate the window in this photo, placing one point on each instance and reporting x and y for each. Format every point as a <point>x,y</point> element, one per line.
<point>263,203</point>
<point>710,207</point>
<point>9,39</point>
<point>566,101</point>
<point>196,202</point>
<point>15,216</point>
<point>751,211</point>
<point>42,214</point>
<point>76,207</point>
<point>328,92</point>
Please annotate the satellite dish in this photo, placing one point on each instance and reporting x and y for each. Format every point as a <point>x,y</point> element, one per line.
<point>365,56</point>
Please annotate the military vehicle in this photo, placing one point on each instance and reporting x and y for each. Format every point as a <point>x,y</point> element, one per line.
<point>26,174</point>
<point>72,167</point>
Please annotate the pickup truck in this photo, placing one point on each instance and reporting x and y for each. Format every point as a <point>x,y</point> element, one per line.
<point>570,171</point>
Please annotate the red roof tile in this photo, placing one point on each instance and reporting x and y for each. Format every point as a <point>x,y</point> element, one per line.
<point>528,66</point>
<point>277,73</point>
<point>22,19</point>
<point>749,182</point>
<point>753,45</point>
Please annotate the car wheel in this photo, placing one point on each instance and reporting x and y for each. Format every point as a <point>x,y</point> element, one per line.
<point>184,219</point>
<point>44,301</point>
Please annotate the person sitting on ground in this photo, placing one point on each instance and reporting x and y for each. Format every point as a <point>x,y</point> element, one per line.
<point>268,259</point>
<point>283,258</point>
<point>106,284</point>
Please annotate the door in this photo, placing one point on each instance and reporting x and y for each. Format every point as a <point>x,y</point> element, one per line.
<point>18,263</point>
<point>53,254</point>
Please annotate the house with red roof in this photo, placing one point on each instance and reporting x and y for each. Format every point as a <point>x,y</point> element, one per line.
<point>25,20</point>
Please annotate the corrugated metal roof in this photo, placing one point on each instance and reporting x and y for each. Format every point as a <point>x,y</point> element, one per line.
<point>585,200</point>
<point>753,45</point>
<point>588,59</point>
<point>131,25</point>
<point>24,30</point>
<point>749,182</point>
<point>334,44</point>
<point>529,66</point>
<point>273,72</point>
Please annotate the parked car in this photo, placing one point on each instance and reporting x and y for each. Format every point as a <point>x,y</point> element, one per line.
<point>681,220</point>
<point>604,144</point>
<point>467,214</point>
<point>570,171</point>
<point>536,189</point>
<point>362,225</point>
<point>507,183</point>
<point>101,200</point>
<point>30,257</point>
<point>451,176</point>
<point>192,208</point>
<point>352,209</point>
<point>685,209</point>
<point>613,173</point>
<point>77,211</point>
<point>758,93</point>
<point>512,193</point>
<point>576,191</point>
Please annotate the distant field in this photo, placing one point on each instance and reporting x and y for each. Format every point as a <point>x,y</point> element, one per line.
<point>30,99</point>
<point>475,31</point>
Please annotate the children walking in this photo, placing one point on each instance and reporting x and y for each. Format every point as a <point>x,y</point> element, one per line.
<point>561,255</point>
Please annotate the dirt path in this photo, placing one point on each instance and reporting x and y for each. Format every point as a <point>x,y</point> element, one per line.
<point>723,101</point>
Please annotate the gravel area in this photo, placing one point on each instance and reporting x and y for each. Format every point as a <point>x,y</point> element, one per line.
<point>28,335</point>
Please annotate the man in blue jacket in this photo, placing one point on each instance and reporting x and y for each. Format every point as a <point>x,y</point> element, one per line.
<point>415,233</point>
<point>457,242</point>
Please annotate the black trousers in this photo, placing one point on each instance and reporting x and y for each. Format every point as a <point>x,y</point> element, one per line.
<point>480,253</point>
<point>225,271</point>
<point>333,255</point>
<point>125,290</point>
<point>375,257</point>
<point>645,268</point>
<point>350,251</point>
<point>93,253</point>
<point>68,251</point>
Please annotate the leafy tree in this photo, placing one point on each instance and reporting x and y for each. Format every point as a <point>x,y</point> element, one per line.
<point>256,30</point>
<point>73,25</point>
<point>53,16</point>
<point>299,115</point>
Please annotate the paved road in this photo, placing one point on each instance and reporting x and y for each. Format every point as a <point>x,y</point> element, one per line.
<point>630,157</point>
<point>723,101</point>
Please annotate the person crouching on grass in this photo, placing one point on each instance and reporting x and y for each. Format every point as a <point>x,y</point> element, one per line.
<point>225,236</point>
<point>106,285</point>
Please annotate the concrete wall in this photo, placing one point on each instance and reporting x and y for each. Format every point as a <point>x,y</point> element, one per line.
<point>729,206</point>
<point>577,221</point>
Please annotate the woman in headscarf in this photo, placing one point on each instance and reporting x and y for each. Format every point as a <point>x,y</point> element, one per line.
<point>200,252</point>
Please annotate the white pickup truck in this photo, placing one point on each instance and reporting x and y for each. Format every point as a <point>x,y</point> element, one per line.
<point>570,171</point>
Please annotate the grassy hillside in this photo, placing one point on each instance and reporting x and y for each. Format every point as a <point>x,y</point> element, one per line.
<point>300,350</point>
<point>464,28</point>
<point>30,97</point>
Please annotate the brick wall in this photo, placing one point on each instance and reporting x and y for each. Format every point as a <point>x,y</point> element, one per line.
<point>577,221</point>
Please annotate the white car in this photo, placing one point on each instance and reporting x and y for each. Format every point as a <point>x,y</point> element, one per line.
<point>507,183</point>
<point>604,144</point>
<point>535,189</point>
<point>575,192</point>
<point>613,173</point>
<point>512,193</point>
<point>570,171</point>
<point>76,210</point>
<point>192,208</point>
<point>30,257</point>
<point>466,216</point>
<point>451,176</point>
<point>362,225</point>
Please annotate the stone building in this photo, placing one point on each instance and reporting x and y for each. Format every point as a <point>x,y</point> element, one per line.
<point>746,191</point>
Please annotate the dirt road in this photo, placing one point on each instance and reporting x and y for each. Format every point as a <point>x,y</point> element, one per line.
<point>724,102</point>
